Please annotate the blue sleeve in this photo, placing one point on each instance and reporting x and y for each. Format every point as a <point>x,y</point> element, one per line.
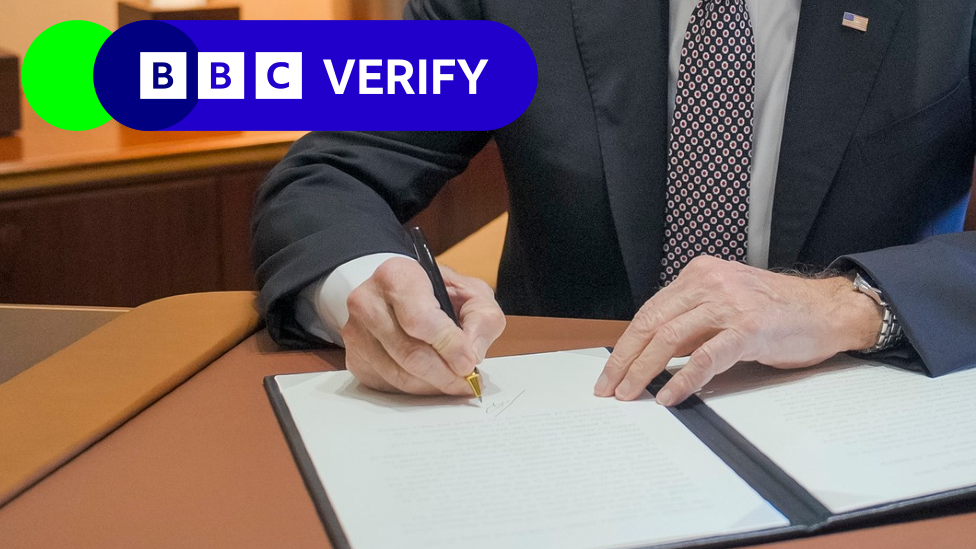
<point>931,287</point>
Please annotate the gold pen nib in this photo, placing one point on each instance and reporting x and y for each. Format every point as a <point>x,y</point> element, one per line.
<point>474,380</point>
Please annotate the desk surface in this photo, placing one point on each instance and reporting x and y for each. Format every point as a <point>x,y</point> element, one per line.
<point>40,155</point>
<point>207,466</point>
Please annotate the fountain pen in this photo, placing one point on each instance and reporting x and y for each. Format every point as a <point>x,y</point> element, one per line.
<point>426,259</point>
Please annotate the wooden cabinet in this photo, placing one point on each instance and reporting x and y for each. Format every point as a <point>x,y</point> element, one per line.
<point>116,217</point>
<point>127,244</point>
<point>235,195</point>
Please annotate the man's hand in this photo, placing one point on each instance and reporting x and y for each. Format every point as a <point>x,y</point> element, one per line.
<point>723,312</point>
<point>399,340</point>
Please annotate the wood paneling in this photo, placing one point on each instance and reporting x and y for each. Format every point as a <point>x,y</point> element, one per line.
<point>118,217</point>
<point>122,242</point>
<point>467,202</point>
<point>236,205</point>
<point>117,247</point>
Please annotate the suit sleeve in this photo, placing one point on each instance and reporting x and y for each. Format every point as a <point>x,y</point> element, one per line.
<point>339,196</point>
<point>931,287</point>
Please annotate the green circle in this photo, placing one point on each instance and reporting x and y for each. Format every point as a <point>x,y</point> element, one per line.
<point>58,75</point>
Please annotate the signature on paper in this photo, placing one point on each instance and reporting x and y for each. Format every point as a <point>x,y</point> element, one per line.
<point>495,409</point>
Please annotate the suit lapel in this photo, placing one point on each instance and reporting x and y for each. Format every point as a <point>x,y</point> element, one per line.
<point>834,69</point>
<point>623,47</point>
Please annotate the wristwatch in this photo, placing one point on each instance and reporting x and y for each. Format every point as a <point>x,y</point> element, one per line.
<point>891,333</point>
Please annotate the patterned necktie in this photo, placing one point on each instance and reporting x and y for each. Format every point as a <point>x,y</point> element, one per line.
<point>710,146</point>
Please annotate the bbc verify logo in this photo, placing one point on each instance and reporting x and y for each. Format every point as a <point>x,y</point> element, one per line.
<point>338,75</point>
<point>220,75</point>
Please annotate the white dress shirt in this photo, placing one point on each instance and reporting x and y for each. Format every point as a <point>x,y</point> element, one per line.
<point>321,307</point>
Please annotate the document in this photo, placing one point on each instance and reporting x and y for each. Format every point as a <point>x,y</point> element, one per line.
<point>854,433</point>
<point>541,463</point>
<point>760,454</point>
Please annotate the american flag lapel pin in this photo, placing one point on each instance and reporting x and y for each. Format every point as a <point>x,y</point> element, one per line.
<point>855,21</point>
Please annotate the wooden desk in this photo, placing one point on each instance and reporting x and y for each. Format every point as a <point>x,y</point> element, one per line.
<point>207,466</point>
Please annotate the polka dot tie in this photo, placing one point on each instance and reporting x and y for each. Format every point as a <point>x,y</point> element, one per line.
<point>710,146</point>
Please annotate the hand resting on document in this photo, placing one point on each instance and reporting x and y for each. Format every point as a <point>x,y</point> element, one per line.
<point>722,312</point>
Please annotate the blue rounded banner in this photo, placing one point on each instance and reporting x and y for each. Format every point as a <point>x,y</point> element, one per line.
<point>315,75</point>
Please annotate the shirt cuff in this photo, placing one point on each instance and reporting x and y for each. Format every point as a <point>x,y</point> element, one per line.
<point>321,307</point>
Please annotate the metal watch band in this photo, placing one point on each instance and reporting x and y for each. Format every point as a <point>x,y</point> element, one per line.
<point>890,333</point>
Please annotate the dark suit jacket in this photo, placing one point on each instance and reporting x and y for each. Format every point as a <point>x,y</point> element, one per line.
<point>877,154</point>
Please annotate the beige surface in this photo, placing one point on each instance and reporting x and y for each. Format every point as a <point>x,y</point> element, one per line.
<point>56,409</point>
<point>32,333</point>
<point>479,253</point>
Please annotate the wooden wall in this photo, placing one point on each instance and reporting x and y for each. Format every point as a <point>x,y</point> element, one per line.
<point>123,242</point>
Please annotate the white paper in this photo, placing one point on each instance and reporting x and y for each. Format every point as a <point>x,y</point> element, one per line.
<point>542,463</point>
<point>856,434</point>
